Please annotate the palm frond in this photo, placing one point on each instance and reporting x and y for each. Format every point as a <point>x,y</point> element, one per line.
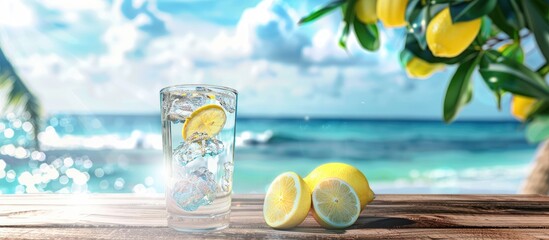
<point>19,95</point>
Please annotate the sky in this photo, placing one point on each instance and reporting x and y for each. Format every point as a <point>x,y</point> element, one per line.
<point>113,56</point>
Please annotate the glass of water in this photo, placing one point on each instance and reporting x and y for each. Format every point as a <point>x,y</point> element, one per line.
<point>198,133</point>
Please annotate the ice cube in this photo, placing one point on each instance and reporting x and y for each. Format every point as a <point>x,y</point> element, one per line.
<point>195,189</point>
<point>226,181</point>
<point>213,147</point>
<point>179,110</point>
<point>187,152</point>
<point>197,146</point>
<point>203,89</point>
<point>197,99</point>
<point>227,101</point>
<point>180,105</point>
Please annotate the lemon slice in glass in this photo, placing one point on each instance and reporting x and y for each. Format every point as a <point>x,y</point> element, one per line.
<point>208,119</point>
<point>287,202</point>
<point>335,204</point>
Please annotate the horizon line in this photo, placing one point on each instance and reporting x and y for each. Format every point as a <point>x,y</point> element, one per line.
<point>309,118</point>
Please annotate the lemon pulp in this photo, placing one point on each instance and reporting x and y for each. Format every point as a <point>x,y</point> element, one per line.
<point>335,204</point>
<point>287,202</point>
<point>208,119</point>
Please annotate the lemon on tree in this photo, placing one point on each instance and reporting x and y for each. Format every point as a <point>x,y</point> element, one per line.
<point>448,39</point>
<point>208,119</point>
<point>351,175</point>
<point>419,68</point>
<point>392,12</point>
<point>521,106</point>
<point>366,11</point>
<point>335,204</point>
<point>287,202</point>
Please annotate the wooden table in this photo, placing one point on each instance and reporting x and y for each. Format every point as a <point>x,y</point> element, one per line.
<point>126,216</point>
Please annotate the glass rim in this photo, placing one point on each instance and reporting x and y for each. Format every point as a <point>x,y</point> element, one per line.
<point>211,86</point>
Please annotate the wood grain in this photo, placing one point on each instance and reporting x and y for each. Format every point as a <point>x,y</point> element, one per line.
<point>127,216</point>
<point>299,233</point>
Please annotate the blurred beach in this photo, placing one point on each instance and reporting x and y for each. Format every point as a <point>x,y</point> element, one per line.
<point>122,153</point>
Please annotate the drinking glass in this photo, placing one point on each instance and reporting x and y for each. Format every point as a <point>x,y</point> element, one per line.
<point>198,133</point>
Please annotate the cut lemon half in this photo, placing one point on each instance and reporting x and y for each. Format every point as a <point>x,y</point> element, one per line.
<point>208,119</point>
<point>335,204</point>
<point>287,202</point>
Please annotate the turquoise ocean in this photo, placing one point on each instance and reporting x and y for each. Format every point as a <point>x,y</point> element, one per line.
<point>122,153</point>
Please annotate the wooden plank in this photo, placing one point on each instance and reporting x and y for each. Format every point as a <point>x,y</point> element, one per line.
<point>302,233</point>
<point>389,216</point>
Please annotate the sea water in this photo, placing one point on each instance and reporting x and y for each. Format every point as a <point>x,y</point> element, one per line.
<point>123,153</point>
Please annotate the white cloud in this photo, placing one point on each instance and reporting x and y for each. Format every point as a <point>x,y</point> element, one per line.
<point>16,14</point>
<point>120,39</point>
<point>71,5</point>
<point>278,67</point>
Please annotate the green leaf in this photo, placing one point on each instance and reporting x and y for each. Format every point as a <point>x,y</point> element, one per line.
<point>509,75</point>
<point>485,30</point>
<point>348,17</point>
<point>538,25</point>
<point>499,19</point>
<point>367,35</point>
<point>543,70</point>
<point>517,11</point>
<point>499,94</point>
<point>514,52</point>
<point>322,11</point>
<point>447,1</point>
<point>494,86</point>
<point>344,36</point>
<point>19,96</point>
<point>412,10</point>
<point>469,96</point>
<point>349,11</point>
<point>538,129</point>
<point>458,92</point>
<point>468,11</point>
<point>540,107</point>
<point>405,57</point>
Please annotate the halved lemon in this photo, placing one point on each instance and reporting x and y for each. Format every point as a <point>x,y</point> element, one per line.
<point>287,202</point>
<point>208,119</point>
<point>335,204</point>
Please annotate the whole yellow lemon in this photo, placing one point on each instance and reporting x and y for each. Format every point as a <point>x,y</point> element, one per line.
<point>448,39</point>
<point>366,11</point>
<point>392,12</point>
<point>351,175</point>
<point>418,68</point>
<point>521,106</point>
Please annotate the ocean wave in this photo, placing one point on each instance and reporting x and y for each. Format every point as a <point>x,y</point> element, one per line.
<point>49,139</point>
<point>248,138</point>
<point>487,180</point>
<point>287,143</point>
